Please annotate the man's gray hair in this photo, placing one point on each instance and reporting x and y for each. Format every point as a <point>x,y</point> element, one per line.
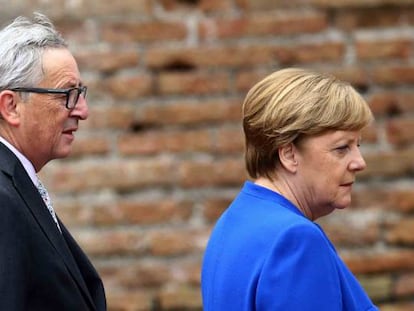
<point>22,44</point>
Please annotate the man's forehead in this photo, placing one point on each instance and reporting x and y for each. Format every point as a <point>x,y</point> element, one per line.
<point>60,66</point>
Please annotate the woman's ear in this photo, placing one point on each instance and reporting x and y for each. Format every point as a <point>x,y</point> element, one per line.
<point>288,157</point>
<point>8,107</point>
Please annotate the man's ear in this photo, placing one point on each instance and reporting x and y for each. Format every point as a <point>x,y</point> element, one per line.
<point>288,157</point>
<point>8,107</point>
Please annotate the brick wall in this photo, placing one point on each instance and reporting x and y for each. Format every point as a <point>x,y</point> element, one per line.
<point>161,155</point>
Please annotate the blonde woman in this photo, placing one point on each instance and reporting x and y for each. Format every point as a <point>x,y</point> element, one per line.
<point>302,132</point>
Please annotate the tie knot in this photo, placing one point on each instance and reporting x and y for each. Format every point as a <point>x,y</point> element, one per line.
<point>43,192</point>
<point>46,199</point>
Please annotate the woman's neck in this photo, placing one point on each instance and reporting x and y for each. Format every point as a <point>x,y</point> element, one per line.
<point>286,190</point>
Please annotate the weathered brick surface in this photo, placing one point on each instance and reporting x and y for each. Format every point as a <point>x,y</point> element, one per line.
<point>391,104</point>
<point>161,155</point>
<point>203,5</point>
<point>189,112</point>
<point>380,261</point>
<point>224,56</point>
<point>138,32</point>
<point>193,83</point>
<point>355,18</point>
<point>403,306</point>
<point>383,49</point>
<point>259,24</point>
<point>391,75</point>
<point>130,300</point>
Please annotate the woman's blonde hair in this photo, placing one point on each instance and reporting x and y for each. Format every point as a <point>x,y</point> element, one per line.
<point>294,103</point>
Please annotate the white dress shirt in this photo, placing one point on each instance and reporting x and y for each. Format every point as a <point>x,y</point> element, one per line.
<point>28,166</point>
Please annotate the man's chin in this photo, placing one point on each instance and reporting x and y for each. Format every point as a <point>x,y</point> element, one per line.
<point>63,153</point>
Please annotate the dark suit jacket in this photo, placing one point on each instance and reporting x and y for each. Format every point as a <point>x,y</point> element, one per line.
<point>40,268</point>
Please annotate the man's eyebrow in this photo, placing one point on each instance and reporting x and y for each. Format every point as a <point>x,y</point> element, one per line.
<point>71,84</point>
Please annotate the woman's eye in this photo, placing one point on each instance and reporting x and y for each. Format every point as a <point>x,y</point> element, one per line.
<point>342,149</point>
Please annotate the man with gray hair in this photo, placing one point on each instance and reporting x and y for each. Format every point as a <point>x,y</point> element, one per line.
<point>42,100</point>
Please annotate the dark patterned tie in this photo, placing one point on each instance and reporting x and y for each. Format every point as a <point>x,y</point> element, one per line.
<point>46,198</point>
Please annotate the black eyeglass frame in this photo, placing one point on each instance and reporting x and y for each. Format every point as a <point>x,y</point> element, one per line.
<point>80,90</point>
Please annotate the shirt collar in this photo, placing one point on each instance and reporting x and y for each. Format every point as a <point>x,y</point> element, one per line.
<point>28,166</point>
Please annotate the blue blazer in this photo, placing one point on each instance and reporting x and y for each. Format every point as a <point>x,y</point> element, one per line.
<point>264,254</point>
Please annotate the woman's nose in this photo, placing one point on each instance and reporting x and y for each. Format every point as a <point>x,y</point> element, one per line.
<point>358,163</point>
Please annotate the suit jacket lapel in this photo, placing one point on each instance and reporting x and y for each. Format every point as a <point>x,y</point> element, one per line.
<point>35,204</point>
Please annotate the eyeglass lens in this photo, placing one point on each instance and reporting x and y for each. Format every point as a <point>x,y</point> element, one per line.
<point>74,96</point>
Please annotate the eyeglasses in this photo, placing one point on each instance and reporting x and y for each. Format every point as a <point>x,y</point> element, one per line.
<point>72,94</point>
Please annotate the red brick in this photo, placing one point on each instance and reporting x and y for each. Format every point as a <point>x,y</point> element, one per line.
<point>401,232</point>
<point>193,83</point>
<point>382,49</point>
<point>356,76</point>
<point>202,5</point>
<point>77,32</point>
<point>154,211</point>
<point>109,117</point>
<point>375,262</point>
<point>259,24</point>
<point>246,79</point>
<point>190,112</point>
<point>188,271</point>
<point>141,273</point>
<point>135,275</point>
<point>378,287</point>
<point>119,242</point>
<point>393,75</point>
<point>388,164</point>
<point>224,56</point>
<point>402,200</point>
<point>180,298</point>
<point>129,32</point>
<point>81,213</point>
<point>404,285</point>
<point>90,146</point>
<point>123,8</point>
<point>385,198</point>
<point>229,140</point>
<point>130,300</point>
<point>222,140</point>
<point>370,134</point>
<point>401,306</point>
<point>107,61</point>
<point>176,242</point>
<point>391,103</point>
<point>379,17</point>
<point>400,131</point>
<point>152,142</point>
<point>108,211</point>
<point>214,207</point>
<point>128,87</point>
<point>122,175</point>
<point>310,52</point>
<point>408,16</point>
<point>353,227</point>
<point>212,172</point>
<point>370,197</point>
<point>340,4</point>
<point>266,4</point>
